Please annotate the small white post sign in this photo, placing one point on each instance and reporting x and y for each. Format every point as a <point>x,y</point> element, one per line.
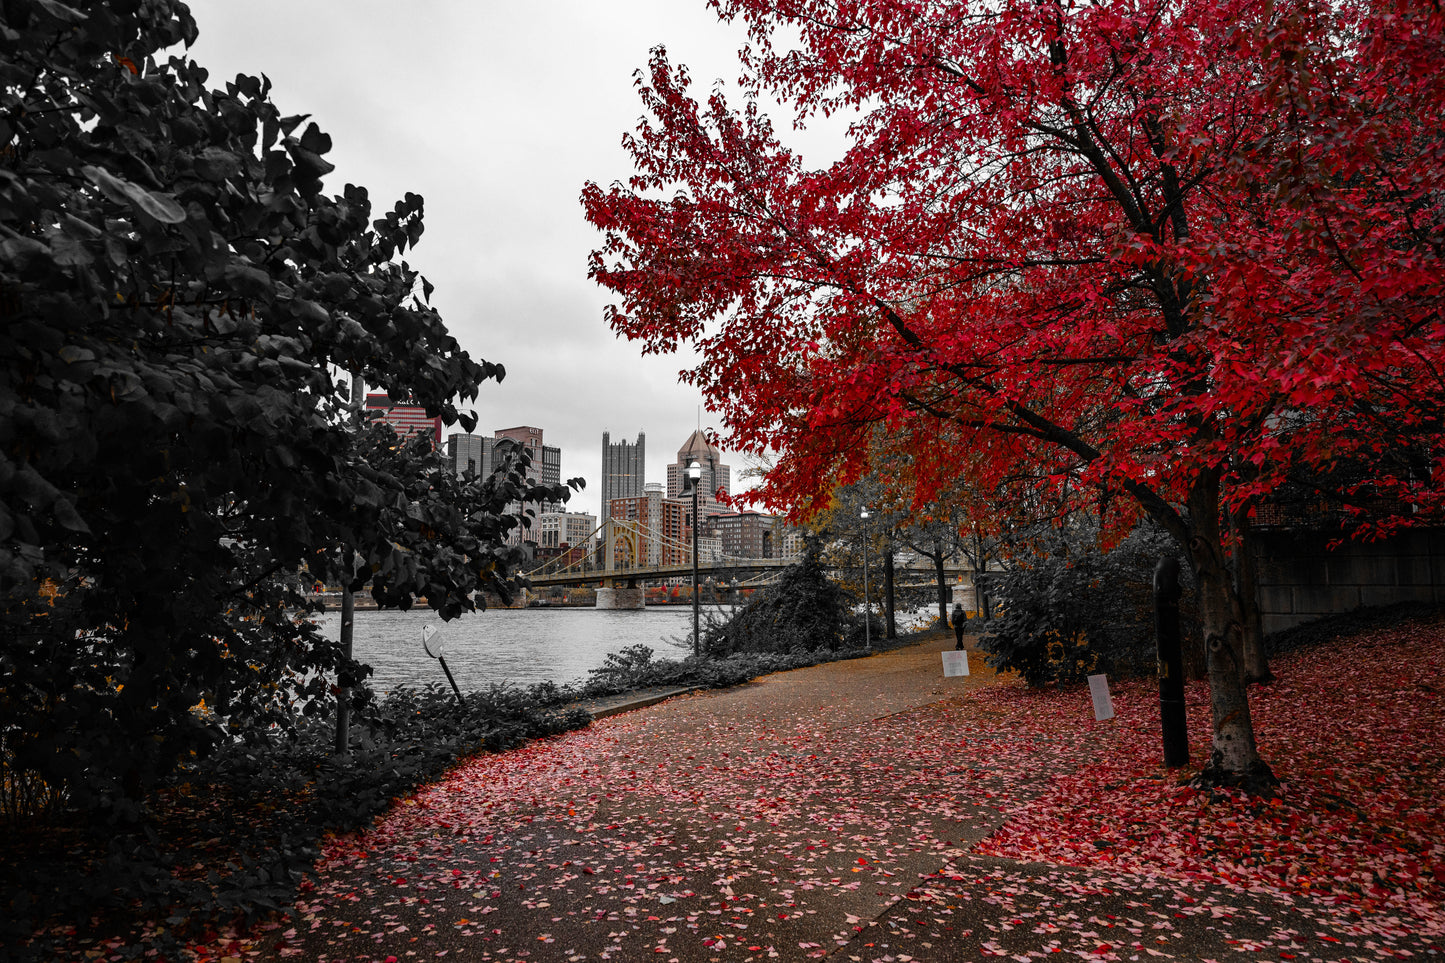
<point>1103,705</point>
<point>955,662</point>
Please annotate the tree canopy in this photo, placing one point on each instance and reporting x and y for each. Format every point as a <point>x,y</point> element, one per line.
<point>1158,256</point>
<point>184,311</point>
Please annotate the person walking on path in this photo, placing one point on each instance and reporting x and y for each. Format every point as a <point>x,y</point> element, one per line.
<point>959,618</point>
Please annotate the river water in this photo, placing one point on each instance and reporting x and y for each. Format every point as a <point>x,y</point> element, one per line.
<point>518,646</point>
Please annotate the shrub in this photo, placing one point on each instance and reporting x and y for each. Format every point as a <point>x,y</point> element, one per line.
<point>24,793</point>
<point>1072,610</point>
<point>803,609</point>
<point>630,668</point>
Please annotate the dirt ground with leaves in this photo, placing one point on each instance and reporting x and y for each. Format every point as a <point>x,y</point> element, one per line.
<point>876,811</point>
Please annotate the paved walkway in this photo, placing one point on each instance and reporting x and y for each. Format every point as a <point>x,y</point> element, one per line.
<point>825,812</point>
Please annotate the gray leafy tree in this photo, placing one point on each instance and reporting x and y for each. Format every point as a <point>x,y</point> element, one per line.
<point>184,309</point>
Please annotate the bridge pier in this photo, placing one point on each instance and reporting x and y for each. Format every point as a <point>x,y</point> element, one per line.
<point>620,598</point>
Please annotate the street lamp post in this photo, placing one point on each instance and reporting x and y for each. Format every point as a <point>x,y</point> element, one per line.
<point>867,610</point>
<point>694,475</point>
<point>342,744</point>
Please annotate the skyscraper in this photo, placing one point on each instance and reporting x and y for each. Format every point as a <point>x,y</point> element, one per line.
<point>624,469</point>
<point>470,453</point>
<point>546,461</point>
<point>715,475</point>
<point>478,453</point>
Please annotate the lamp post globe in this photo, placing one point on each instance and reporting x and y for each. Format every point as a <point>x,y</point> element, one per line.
<point>694,479</point>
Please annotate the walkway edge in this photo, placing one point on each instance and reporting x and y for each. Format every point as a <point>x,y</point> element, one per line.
<point>627,701</point>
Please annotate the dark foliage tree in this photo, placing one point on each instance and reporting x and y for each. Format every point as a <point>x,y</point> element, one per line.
<point>1067,608</point>
<point>183,309</point>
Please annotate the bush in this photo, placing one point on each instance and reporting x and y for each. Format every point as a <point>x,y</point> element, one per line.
<point>24,793</point>
<point>1073,610</point>
<point>630,668</point>
<point>803,609</point>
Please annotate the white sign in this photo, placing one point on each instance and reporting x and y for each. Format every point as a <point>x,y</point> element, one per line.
<point>1103,705</point>
<point>433,649</point>
<point>955,662</point>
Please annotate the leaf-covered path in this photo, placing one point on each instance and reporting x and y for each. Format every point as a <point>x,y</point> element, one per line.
<point>873,810</point>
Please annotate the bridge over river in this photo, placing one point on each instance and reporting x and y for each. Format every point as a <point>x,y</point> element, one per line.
<point>634,556</point>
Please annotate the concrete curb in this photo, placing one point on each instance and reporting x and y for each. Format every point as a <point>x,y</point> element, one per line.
<point>627,701</point>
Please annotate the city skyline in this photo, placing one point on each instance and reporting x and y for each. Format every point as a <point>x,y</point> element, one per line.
<point>588,500</point>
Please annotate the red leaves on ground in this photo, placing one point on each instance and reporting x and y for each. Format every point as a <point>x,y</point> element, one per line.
<point>797,838</point>
<point>1354,730</point>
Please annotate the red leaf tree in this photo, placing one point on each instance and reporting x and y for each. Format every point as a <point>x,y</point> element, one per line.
<point>1174,251</point>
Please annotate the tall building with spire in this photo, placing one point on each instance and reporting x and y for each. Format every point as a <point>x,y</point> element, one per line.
<point>715,475</point>
<point>624,469</point>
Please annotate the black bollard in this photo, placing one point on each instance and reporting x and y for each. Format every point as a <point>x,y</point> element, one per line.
<point>1171,663</point>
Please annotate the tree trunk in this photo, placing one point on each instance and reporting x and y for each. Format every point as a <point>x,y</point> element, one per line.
<point>1235,759</point>
<point>1196,660</point>
<point>1246,586</point>
<point>937,557</point>
<point>342,743</point>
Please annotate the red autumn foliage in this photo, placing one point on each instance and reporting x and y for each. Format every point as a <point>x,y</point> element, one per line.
<point>1181,251</point>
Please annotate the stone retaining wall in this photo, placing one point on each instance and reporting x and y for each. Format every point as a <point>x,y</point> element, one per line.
<point>1301,580</point>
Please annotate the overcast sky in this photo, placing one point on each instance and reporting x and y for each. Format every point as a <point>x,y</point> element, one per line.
<point>496,113</point>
